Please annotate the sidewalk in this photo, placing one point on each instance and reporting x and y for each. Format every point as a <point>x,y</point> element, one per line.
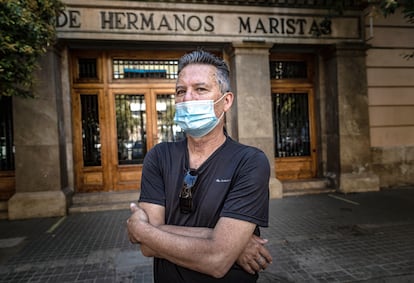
<point>315,238</point>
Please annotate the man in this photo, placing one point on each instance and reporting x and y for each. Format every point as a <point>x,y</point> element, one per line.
<point>203,198</point>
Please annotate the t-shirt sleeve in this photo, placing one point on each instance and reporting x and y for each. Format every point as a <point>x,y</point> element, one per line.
<point>152,183</point>
<point>248,199</point>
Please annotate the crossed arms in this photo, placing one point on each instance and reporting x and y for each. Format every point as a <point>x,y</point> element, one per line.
<point>206,250</point>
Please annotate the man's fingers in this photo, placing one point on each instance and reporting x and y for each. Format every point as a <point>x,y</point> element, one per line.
<point>260,240</point>
<point>262,262</point>
<point>130,235</point>
<point>264,252</point>
<point>255,266</point>
<point>248,268</point>
<point>133,207</point>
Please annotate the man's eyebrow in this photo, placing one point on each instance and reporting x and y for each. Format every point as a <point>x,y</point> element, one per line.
<point>201,84</point>
<point>180,86</point>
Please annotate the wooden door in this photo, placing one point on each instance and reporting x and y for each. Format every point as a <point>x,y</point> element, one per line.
<point>90,140</point>
<point>122,105</point>
<point>141,119</point>
<point>113,133</point>
<point>293,116</point>
<point>295,149</point>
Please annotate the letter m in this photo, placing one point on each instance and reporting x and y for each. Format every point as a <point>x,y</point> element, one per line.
<point>244,26</point>
<point>149,23</point>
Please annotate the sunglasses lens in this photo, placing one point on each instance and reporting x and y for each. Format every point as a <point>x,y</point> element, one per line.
<point>186,204</point>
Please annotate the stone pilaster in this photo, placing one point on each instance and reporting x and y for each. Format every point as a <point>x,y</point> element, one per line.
<point>355,161</point>
<point>251,119</point>
<point>41,176</point>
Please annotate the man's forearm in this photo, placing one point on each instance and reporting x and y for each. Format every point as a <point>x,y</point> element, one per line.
<point>246,258</point>
<point>184,251</point>
<point>211,255</point>
<point>198,232</point>
<point>206,250</point>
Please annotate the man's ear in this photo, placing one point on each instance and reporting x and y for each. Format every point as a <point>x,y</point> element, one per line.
<point>228,101</point>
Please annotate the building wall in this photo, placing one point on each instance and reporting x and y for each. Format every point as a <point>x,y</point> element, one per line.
<point>390,79</point>
<point>364,95</point>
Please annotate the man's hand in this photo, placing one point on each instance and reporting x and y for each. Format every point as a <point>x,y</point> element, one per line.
<point>255,255</point>
<point>138,215</point>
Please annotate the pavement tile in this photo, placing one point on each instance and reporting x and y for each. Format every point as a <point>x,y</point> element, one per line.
<point>364,237</point>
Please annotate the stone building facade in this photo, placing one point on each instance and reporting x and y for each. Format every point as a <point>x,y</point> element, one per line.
<point>326,98</point>
<point>391,98</point>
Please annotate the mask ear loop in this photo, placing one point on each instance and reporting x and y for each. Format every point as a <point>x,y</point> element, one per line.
<point>218,100</point>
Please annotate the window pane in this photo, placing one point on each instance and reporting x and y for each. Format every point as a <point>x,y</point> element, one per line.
<point>291,124</point>
<point>167,130</point>
<point>91,137</point>
<point>6,134</point>
<point>288,70</point>
<point>136,69</point>
<point>131,123</point>
<point>87,68</point>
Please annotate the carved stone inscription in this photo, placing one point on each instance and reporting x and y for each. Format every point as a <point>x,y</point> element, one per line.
<point>130,22</point>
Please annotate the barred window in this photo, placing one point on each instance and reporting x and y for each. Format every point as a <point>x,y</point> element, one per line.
<point>131,124</point>
<point>6,134</point>
<point>91,138</point>
<point>87,68</point>
<point>138,69</point>
<point>167,129</point>
<point>291,124</point>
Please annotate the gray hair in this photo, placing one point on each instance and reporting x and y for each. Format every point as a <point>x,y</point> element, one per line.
<point>203,57</point>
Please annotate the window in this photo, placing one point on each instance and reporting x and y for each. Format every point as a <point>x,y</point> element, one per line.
<point>291,124</point>
<point>6,134</point>
<point>131,120</point>
<point>87,68</point>
<point>288,70</point>
<point>138,69</point>
<point>91,138</point>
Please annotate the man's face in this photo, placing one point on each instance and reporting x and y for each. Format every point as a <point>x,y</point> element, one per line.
<point>197,82</point>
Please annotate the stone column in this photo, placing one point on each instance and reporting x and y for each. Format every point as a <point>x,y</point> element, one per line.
<point>355,162</point>
<point>41,177</point>
<point>250,120</point>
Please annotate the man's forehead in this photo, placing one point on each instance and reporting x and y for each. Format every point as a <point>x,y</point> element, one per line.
<point>199,76</point>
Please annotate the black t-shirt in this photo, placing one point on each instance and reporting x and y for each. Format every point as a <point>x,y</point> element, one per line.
<point>233,182</point>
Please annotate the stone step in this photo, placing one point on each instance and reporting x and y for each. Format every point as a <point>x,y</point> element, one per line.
<point>102,201</point>
<point>100,197</point>
<point>85,207</point>
<point>306,187</point>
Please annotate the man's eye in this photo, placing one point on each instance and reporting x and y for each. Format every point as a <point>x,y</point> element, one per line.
<point>180,92</point>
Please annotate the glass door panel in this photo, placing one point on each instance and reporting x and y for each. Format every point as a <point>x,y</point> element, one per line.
<point>167,130</point>
<point>91,138</point>
<point>131,124</point>
<point>291,124</point>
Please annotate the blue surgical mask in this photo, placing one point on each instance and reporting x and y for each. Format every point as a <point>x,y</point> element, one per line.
<point>196,117</point>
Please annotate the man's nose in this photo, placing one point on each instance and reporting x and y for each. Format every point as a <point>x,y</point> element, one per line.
<point>189,95</point>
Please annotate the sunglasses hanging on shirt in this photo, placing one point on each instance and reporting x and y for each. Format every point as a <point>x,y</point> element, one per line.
<point>186,194</point>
